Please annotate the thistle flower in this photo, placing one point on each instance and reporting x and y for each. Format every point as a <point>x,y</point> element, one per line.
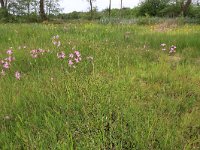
<point>17,75</point>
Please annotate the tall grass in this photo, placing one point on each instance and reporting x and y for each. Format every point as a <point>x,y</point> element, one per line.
<point>132,95</point>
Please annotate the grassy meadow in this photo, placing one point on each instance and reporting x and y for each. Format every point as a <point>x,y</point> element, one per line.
<point>125,93</point>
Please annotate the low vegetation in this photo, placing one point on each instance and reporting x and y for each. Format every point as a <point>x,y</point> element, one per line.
<point>94,86</point>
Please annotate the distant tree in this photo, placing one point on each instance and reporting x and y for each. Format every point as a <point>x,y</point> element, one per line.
<point>5,3</point>
<point>42,12</point>
<point>91,7</point>
<point>27,4</point>
<point>2,3</point>
<point>109,8</point>
<point>52,6</point>
<point>185,4</point>
<point>152,7</point>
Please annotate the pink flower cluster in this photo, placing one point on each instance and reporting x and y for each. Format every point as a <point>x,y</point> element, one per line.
<point>74,58</point>
<point>6,64</point>
<point>171,50</point>
<point>56,40</point>
<point>38,52</point>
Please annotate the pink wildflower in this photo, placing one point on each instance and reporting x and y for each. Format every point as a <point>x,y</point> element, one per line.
<point>70,63</point>
<point>61,55</point>
<point>6,65</point>
<point>77,60</point>
<point>9,52</point>
<point>71,55</point>
<point>77,53</point>
<point>9,59</point>
<point>17,75</point>
<point>172,49</point>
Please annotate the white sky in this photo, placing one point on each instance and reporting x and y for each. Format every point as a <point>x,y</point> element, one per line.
<point>83,5</point>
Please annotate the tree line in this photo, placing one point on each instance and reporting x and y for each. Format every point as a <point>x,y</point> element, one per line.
<point>42,8</point>
<point>45,9</point>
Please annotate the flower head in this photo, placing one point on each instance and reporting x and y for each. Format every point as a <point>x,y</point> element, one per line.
<point>77,53</point>
<point>71,55</point>
<point>172,49</point>
<point>61,55</point>
<point>17,75</point>
<point>6,65</point>
<point>9,52</point>
<point>70,63</point>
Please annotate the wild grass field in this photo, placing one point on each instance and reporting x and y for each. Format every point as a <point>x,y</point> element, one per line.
<point>125,91</point>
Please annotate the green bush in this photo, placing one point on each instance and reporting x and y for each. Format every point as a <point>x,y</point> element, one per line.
<point>4,16</point>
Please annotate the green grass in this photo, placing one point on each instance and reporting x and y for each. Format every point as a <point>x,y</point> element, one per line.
<point>128,97</point>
